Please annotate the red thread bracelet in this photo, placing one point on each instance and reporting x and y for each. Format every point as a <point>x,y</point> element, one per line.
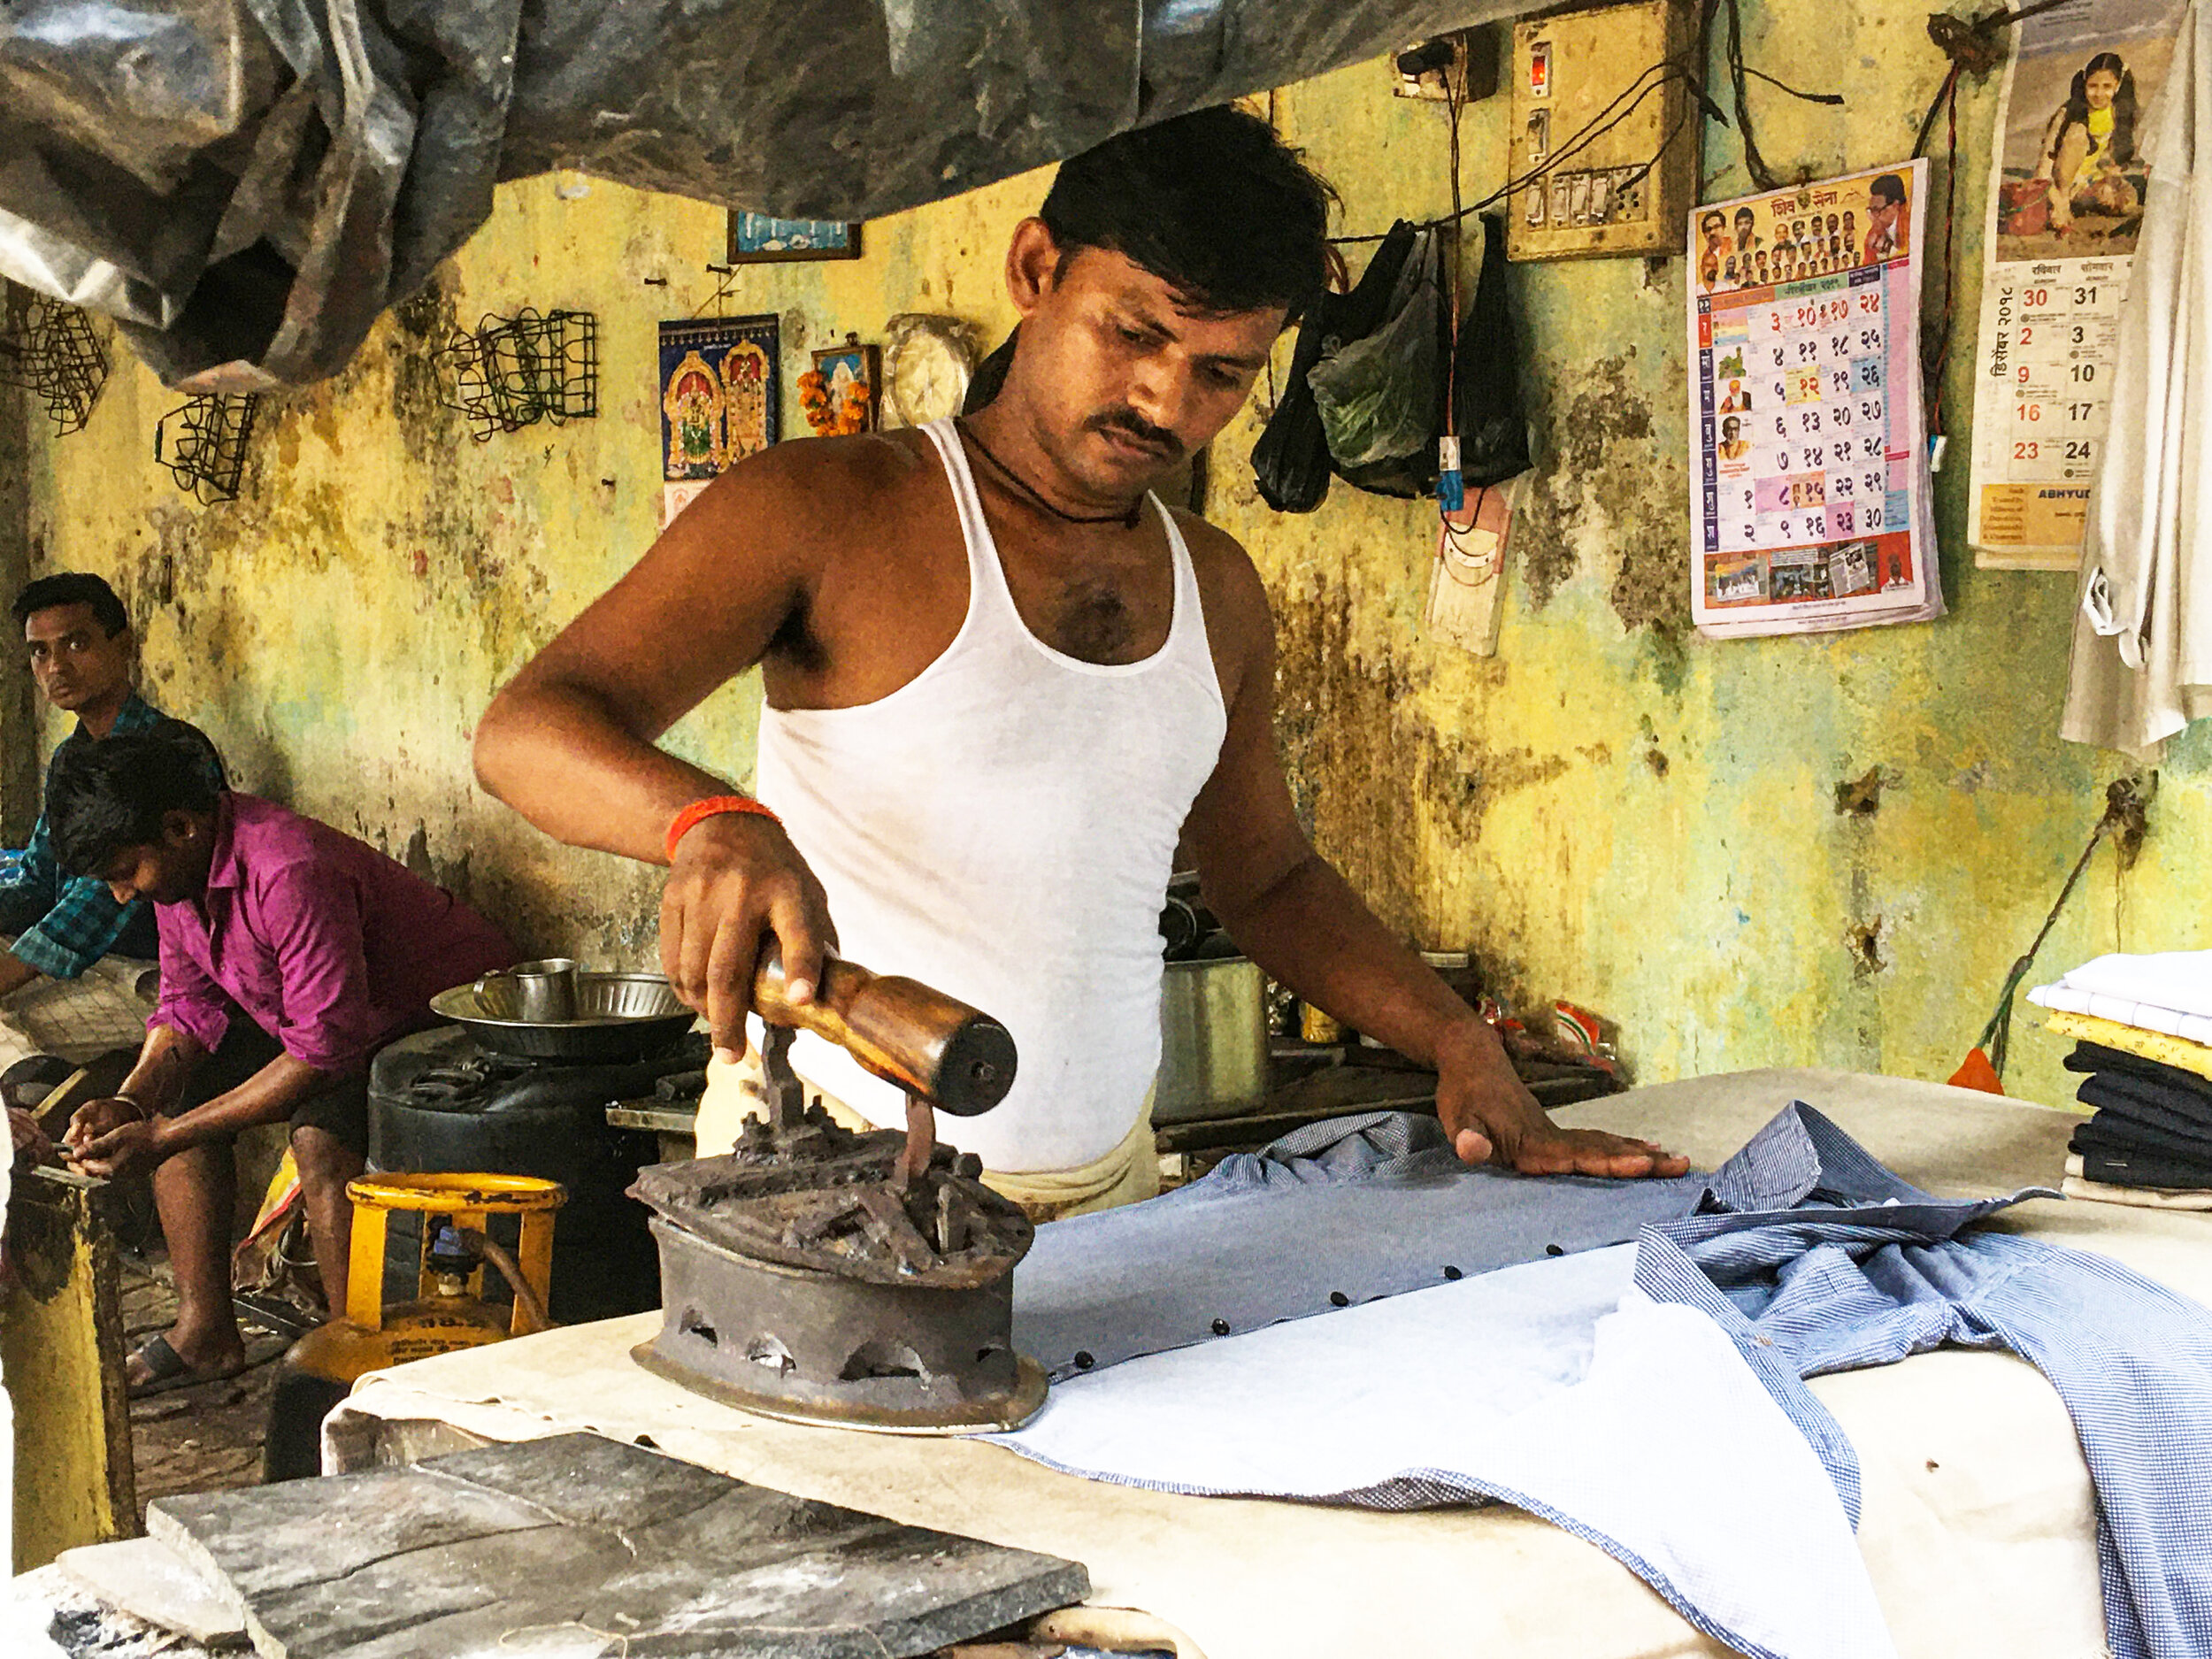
<point>713,806</point>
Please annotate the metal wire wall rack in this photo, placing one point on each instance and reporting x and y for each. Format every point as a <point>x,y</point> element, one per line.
<point>51,349</point>
<point>206,454</point>
<point>514,372</point>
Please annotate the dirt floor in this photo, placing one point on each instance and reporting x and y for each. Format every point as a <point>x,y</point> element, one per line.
<point>205,1437</point>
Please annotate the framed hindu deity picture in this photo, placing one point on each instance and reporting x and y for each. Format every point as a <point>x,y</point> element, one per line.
<point>838,396</point>
<point>757,239</point>
<point>721,393</point>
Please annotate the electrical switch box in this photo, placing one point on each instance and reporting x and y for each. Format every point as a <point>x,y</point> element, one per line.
<point>1604,130</point>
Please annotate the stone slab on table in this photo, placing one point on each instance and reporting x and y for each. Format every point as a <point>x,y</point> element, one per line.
<point>151,1581</point>
<point>51,1613</point>
<point>479,1550</point>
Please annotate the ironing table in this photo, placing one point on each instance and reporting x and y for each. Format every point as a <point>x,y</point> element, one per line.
<point>1978,1524</point>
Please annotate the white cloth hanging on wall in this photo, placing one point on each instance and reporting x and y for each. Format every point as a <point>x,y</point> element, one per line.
<point>2142,651</point>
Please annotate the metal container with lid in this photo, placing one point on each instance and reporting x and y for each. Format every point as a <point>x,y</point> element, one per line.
<point>1213,1040</point>
<point>441,1101</point>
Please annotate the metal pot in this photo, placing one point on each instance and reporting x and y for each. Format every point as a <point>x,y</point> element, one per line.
<point>1213,1040</point>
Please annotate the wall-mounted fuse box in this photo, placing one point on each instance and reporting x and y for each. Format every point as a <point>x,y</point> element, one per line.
<point>1628,188</point>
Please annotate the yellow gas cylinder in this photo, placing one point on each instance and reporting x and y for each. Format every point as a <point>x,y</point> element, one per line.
<point>447,1311</point>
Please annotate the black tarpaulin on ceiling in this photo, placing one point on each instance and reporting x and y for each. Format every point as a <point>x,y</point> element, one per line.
<point>246,184</point>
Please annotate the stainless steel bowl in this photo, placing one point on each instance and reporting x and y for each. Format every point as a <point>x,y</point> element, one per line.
<point>619,1017</point>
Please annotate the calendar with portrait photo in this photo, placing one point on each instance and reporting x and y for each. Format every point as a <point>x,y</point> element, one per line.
<point>2069,175</point>
<point>1809,507</point>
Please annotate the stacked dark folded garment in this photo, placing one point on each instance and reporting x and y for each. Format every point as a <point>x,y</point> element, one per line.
<point>2153,1123</point>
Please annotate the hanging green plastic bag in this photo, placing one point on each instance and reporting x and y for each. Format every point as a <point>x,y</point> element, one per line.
<point>1380,396</point>
<point>1291,462</point>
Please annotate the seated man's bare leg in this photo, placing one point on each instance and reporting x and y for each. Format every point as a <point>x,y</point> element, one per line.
<point>325,1164</point>
<point>194,1192</point>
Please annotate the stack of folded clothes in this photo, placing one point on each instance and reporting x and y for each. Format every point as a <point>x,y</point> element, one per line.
<point>2143,1030</point>
<point>2154,1121</point>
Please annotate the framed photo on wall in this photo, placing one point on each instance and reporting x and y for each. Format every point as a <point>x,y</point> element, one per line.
<point>720,395</point>
<point>757,239</point>
<point>838,396</point>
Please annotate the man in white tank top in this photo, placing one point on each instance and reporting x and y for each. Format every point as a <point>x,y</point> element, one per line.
<point>1003,683</point>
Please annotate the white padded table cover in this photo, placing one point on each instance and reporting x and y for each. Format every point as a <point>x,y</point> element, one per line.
<point>1978,1521</point>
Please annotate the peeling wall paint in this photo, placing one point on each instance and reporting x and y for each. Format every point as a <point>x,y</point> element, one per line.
<point>1618,812</point>
<point>1611,810</point>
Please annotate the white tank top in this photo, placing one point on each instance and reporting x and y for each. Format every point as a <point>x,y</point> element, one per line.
<point>1002,827</point>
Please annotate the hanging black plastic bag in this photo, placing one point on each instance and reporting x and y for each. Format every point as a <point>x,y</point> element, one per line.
<point>1381,394</point>
<point>1486,410</point>
<point>1291,462</point>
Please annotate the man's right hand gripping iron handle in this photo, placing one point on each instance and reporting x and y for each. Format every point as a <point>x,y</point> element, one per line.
<point>738,890</point>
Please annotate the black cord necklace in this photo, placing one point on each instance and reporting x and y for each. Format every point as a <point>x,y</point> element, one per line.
<point>1127,520</point>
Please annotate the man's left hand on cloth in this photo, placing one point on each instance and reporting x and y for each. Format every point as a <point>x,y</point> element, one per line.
<point>1491,1118</point>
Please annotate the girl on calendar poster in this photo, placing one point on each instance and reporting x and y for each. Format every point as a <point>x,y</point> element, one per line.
<point>2072,176</point>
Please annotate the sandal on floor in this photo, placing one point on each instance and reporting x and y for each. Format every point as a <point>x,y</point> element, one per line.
<point>167,1371</point>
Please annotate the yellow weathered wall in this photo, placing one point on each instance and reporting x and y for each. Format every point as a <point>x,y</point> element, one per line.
<point>1617,812</point>
<point>339,627</point>
<point>1611,810</point>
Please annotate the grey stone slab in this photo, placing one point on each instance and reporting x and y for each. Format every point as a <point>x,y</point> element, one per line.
<point>51,1611</point>
<point>266,1541</point>
<point>150,1581</point>
<point>537,1546</point>
<point>584,1480</point>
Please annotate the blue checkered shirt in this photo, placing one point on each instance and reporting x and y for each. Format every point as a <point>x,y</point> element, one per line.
<point>81,922</point>
<point>1820,1259</point>
<point>1808,1252</point>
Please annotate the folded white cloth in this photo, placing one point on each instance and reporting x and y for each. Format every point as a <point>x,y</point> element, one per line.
<point>2169,991</point>
<point>2079,1186</point>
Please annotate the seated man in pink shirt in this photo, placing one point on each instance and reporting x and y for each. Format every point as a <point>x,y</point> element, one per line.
<point>325,946</point>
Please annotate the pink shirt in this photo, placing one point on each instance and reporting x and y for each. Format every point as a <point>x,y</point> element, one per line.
<point>329,945</point>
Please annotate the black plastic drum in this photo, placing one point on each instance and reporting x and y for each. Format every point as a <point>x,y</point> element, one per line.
<point>439,1102</point>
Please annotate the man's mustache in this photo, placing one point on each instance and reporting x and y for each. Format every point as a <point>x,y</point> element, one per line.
<point>1135,425</point>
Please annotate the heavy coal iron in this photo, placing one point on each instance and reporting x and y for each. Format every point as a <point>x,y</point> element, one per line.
<point>862,1279</point>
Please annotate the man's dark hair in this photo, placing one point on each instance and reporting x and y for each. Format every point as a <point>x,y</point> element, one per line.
<point>74,587</point>
<point>1888,188</point>
<point>1214,203</point>
<point>104,797</point>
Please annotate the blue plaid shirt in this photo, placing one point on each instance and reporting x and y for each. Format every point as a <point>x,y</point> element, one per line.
<point>1806,1252</point>
<point>81,922</point>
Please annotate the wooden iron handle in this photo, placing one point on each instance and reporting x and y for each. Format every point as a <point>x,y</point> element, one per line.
<point>957,1058</point>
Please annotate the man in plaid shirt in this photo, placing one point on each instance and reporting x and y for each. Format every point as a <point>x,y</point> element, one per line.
<point>79,637</point>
